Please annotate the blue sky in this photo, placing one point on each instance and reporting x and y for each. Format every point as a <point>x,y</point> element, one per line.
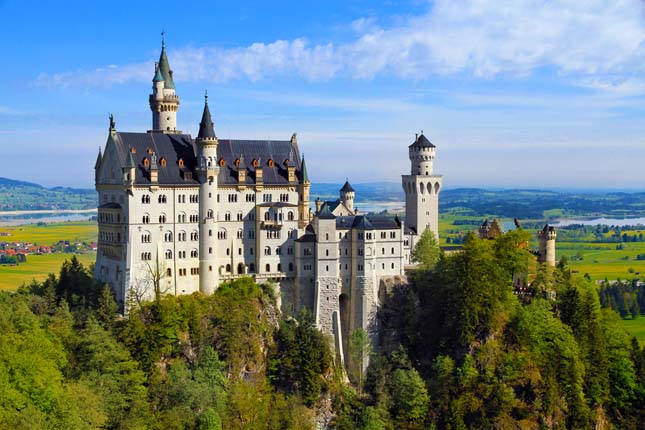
<point>526,93</point>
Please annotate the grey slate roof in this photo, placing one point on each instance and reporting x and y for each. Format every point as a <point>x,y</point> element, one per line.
<point>364,222</point>
<point>422,142</point>
<point>347,188</point>
<point>172,147</point>
<point>206,129</point>
<point>164,68</point>
<point>325,213</point>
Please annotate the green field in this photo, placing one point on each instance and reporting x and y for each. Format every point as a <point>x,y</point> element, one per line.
<point>636,328</point>
<point>48,234</point>
<point>37,267</point>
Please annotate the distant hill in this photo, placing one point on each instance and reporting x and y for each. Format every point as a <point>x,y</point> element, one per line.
<point>21,196</point>
<point>520,203</point>
<point>6,182</point>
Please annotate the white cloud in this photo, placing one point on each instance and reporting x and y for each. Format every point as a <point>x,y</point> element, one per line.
<point>481,38</point>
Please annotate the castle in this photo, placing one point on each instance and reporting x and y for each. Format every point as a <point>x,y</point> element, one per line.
<point>178,215</point>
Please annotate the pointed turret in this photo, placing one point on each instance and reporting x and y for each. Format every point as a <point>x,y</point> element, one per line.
<point>129,162</point>
<point>98,160</point>
<point>347,195</point>
<point>304,176</point>
<point>164,102</point>
<point>206,129</point>
<point>158,76</point>
<point>164,67</point>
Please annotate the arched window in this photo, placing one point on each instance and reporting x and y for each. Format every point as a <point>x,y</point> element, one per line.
<point>180,162</point>
<point>162,161</point>
<point>267,216</point>
<point>145,219</point>
<point>270,163</point>
<point>228,268</point>
<point>267,250</point>
<point>209,214</point>
<point>169,272</point>
<point>146,162</point>
<point>167,237</point>
<point>290,215</point>
<point>168,254</point>
<point>268,268</point>
<point>222,163</point>
<point>240,269</point>
<point>221,233</point>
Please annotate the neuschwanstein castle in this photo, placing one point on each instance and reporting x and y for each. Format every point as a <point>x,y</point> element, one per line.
<point>182,215</point>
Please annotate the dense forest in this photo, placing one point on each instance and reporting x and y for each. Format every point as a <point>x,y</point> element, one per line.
<point>457,349</point>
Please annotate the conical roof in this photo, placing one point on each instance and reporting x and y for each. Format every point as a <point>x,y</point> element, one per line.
<point>129,162</point>
<point>304,176</point>
<point>164,68</point>
<point>98,159</point>
<point>206,129</point>
<point>158,76</point>
<point>347,188</point>
<point>422,142</point>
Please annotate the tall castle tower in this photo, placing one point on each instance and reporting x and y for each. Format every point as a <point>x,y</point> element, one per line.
<point>546,252</point>
<point>164,103</point>
<point>207,171</point>
<point>422,188</point>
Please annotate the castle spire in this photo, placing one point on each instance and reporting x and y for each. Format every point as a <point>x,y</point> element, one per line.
<point>164,67</point>
<point>206,129</point>
<point>303,170</point>
<point>99,158</point>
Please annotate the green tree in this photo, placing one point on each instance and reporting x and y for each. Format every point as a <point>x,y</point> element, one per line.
<point>409,399</point>
<point>359,350</point>
<point>426,252</point>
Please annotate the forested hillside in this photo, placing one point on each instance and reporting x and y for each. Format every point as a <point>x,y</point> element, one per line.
<point>21,196</point>
<point>457,349</point>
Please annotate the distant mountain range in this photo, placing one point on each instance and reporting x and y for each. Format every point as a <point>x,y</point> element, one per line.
<point>23,196</point>
<point>520,203</point>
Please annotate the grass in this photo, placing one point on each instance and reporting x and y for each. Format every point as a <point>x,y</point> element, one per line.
<point>603,260</point>
<point>48,234</point>
<point>37,267</point>
<point>635,327</point>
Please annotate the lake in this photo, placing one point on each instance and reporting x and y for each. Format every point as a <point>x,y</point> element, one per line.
<point>33,217</point>
<point>601,221</point>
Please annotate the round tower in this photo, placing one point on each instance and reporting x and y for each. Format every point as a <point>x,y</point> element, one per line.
<point>546,253</point>
<point>164,103</point>
<point>207,171</point>
<point>347,194</point>
<point>422,153</point>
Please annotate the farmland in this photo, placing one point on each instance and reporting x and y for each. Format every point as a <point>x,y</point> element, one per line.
<point>38,266</point>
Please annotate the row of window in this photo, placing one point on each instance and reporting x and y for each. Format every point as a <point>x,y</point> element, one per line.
<point>181,254</point>
<point>109,217</point>
<point>108,236</point>
<point>194,198</point>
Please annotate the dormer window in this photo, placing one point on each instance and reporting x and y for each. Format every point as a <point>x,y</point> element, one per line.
<point>286,162</point>
<point>222,163</point>
<point>162,161</point>
<point>255,163</point>
<point>270,163</point>
<point>146,162</point>
<point>149,150</point>
<point>180,162</point>
<point>237,162</point>
<point>133,150</point>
